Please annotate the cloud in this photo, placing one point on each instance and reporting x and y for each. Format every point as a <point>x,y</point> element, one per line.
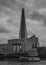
<point>17,4</point>
<point>8,3</point>
<point>29,3</point>
<point>36,16</point>
<point>10,22</point>
<point>40,3</point>
<point>3,38</point>
<point>4,30</point>
<point>42,11</point>
<point>39,17</point>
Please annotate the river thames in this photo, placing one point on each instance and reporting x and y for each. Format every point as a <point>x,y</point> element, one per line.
<point>22,63</point>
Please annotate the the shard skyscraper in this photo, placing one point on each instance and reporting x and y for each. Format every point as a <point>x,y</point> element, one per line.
<point>23,30</point>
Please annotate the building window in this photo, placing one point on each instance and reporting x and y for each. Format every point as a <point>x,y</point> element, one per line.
<point>20,46</point>
<point>14,49</point>
<point>17,48</point>
<point>33,45</point>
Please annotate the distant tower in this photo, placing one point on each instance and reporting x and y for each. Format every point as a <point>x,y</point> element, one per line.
<point>23,30</point>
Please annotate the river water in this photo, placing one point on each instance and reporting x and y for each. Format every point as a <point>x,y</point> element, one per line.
<point>22,63</point>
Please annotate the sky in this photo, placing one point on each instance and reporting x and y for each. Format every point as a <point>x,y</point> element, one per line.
<point>10,17</point>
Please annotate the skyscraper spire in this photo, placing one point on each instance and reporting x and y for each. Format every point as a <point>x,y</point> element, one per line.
<point>23,30</point>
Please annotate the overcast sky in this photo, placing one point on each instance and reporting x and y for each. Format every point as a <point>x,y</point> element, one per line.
<point>10,16</point>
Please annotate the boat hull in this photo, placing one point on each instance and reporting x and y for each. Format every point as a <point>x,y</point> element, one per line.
<point>27,59</point>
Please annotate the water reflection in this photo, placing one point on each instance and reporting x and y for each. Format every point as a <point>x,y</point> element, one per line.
<point>13,62</point>
<point>24,63</point>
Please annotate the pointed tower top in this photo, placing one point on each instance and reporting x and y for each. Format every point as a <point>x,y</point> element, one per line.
<point>23,31</point>
<point>23,9</point>
<point>23,14</point>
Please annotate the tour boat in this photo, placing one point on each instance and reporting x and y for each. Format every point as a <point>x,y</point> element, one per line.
<point>34,59</point>
<point>29,59</point>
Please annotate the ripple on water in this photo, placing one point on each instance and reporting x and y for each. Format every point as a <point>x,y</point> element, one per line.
<point>22,63</point>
